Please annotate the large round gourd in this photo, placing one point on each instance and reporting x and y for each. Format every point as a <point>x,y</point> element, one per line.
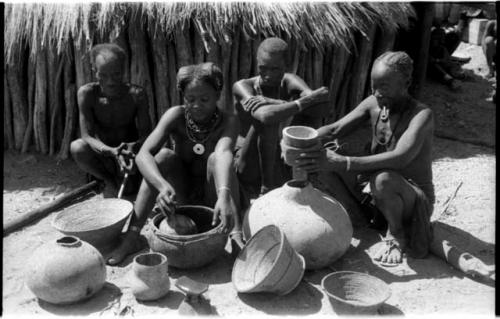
<point>316,225</point>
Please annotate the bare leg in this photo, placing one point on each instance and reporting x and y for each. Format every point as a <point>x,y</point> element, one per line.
<point>172,169</point>
<point>395,198</point>
<point>267,145</point>
<point>342,188</point>
<point>93,163</point>
<point>489,49</point>
<point>211,186</point>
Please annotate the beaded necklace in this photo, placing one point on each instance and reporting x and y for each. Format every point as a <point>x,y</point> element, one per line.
<point>193,129</point>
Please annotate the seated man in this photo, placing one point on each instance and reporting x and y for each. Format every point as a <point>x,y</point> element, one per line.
<point>489,45</point>
<point>442,66</point>
<point>114,121</point>
<point>399,166</point>
<point>265,104</point>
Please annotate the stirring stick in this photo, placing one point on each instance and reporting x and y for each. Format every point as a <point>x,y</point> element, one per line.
<point>122,186</point>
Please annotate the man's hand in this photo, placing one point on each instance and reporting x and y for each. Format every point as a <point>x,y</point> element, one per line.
<point>317,96</point>
<point>253,103</point>
<point>224,210</point>
<point>166,200</point>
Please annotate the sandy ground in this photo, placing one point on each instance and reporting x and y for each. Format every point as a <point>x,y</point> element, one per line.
<point>425,286</point>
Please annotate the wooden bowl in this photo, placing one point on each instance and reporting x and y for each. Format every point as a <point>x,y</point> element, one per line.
<point>97,222</point>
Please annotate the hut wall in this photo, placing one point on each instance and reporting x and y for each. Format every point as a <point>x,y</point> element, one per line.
<point>154,61</point>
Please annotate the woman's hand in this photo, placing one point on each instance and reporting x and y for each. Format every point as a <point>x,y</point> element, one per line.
<point>322,160</point>
<point>224,210</point>
<point>166,200</point>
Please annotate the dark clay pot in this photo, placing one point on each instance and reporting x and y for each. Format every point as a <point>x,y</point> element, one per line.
<point>65,271</point>
<point>149,276</point>
<point>189,251</point>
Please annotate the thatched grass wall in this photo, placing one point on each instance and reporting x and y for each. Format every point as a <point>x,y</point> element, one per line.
<point>47,45</point>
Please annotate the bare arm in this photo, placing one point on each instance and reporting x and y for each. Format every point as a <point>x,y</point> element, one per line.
<point>143,121</point>
<point>349,122</point>
<point>152,145</point>
<point>407,148</point>
<point>86,100</point>
<point>271,111</point>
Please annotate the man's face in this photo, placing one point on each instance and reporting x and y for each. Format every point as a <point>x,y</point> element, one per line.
<point>388,86</point>
<point>109,74</point>
<point>271,68</point>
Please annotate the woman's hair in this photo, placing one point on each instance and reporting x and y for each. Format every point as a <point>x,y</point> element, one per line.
<point>109,51</point>
<point>398,61</point>
<point>207,72</point>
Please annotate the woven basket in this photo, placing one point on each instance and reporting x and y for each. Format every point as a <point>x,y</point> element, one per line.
<point>268,263</point>
<point>97,222</point>
<point>355,292</point>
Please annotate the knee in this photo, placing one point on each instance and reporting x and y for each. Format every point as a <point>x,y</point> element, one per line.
<point>383,184</point>
<point>79,149</point>
<point>165,157</point>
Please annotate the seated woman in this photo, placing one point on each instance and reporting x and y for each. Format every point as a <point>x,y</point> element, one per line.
<point>198,169</point>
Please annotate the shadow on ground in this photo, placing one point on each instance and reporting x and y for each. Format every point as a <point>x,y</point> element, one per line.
<point>104,299</point>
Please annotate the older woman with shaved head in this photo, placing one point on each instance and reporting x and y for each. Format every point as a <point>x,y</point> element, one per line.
<point>398,168</point>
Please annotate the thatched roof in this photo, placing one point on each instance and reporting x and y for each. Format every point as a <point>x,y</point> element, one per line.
<point>313,24</point>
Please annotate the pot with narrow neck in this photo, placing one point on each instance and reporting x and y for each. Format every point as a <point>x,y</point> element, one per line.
<point>316,225</point>
<point>65,271</point>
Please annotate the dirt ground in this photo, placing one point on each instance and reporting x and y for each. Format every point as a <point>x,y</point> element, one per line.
<point>425,286</point>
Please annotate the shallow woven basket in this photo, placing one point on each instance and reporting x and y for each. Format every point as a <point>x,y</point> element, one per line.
<point>97,222</point>
<point>355,292</point>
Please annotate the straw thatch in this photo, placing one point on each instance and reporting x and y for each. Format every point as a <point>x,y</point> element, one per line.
<point>312,24</point>
<point>331,44</point>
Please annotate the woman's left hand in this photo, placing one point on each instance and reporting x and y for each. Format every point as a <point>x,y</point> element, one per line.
<point>224,210</point>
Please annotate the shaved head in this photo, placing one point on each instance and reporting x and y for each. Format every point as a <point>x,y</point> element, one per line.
<point>398,61</point>
<point>109,52</point>
<point>273,46</point>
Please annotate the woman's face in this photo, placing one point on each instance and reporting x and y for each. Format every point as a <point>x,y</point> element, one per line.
<point>388,86</point>
<point>200,100</point>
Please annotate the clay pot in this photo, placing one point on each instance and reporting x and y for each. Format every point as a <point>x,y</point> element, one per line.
<point>297,139</point>
<point>178,225</point>
<point>315,224</point>
<point>149,276</point>
<point>189,251</point>
<point>65,271</point>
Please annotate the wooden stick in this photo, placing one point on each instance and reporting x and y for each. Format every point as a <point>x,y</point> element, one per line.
<point>139,69</point>
<point>83,68</point>
<point>198,48</point>
<point>420,65</point>
<point>70,122</point>
<point>245,57</point>
<point>46,209</point>
<point>18,95</point>
<point>27,140</point>
<point>55,116</point>
<point>160,71</point>
<point>183,51</point>
<point>338,66</point>
<point>172,73</point>
<point>7,114</point>
<point>449,200</point>
<point>361,68</point>
<point>41,101</point>
<point>119,36</point>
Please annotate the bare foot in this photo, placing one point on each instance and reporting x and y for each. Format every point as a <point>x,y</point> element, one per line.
<point>129,244</point>
<point>391,252</point>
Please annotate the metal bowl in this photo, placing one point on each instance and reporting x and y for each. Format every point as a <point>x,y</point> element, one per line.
<point>353,292</point>
<point>97,222</point>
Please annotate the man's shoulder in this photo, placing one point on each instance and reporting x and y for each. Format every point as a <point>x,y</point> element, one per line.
<point>89,88</point>
<point>248,81</point>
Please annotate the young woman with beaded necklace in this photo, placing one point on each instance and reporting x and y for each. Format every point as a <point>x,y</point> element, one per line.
<point>199,167</point>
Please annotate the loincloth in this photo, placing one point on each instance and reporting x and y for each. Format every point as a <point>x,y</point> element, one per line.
<point>418,230</point>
